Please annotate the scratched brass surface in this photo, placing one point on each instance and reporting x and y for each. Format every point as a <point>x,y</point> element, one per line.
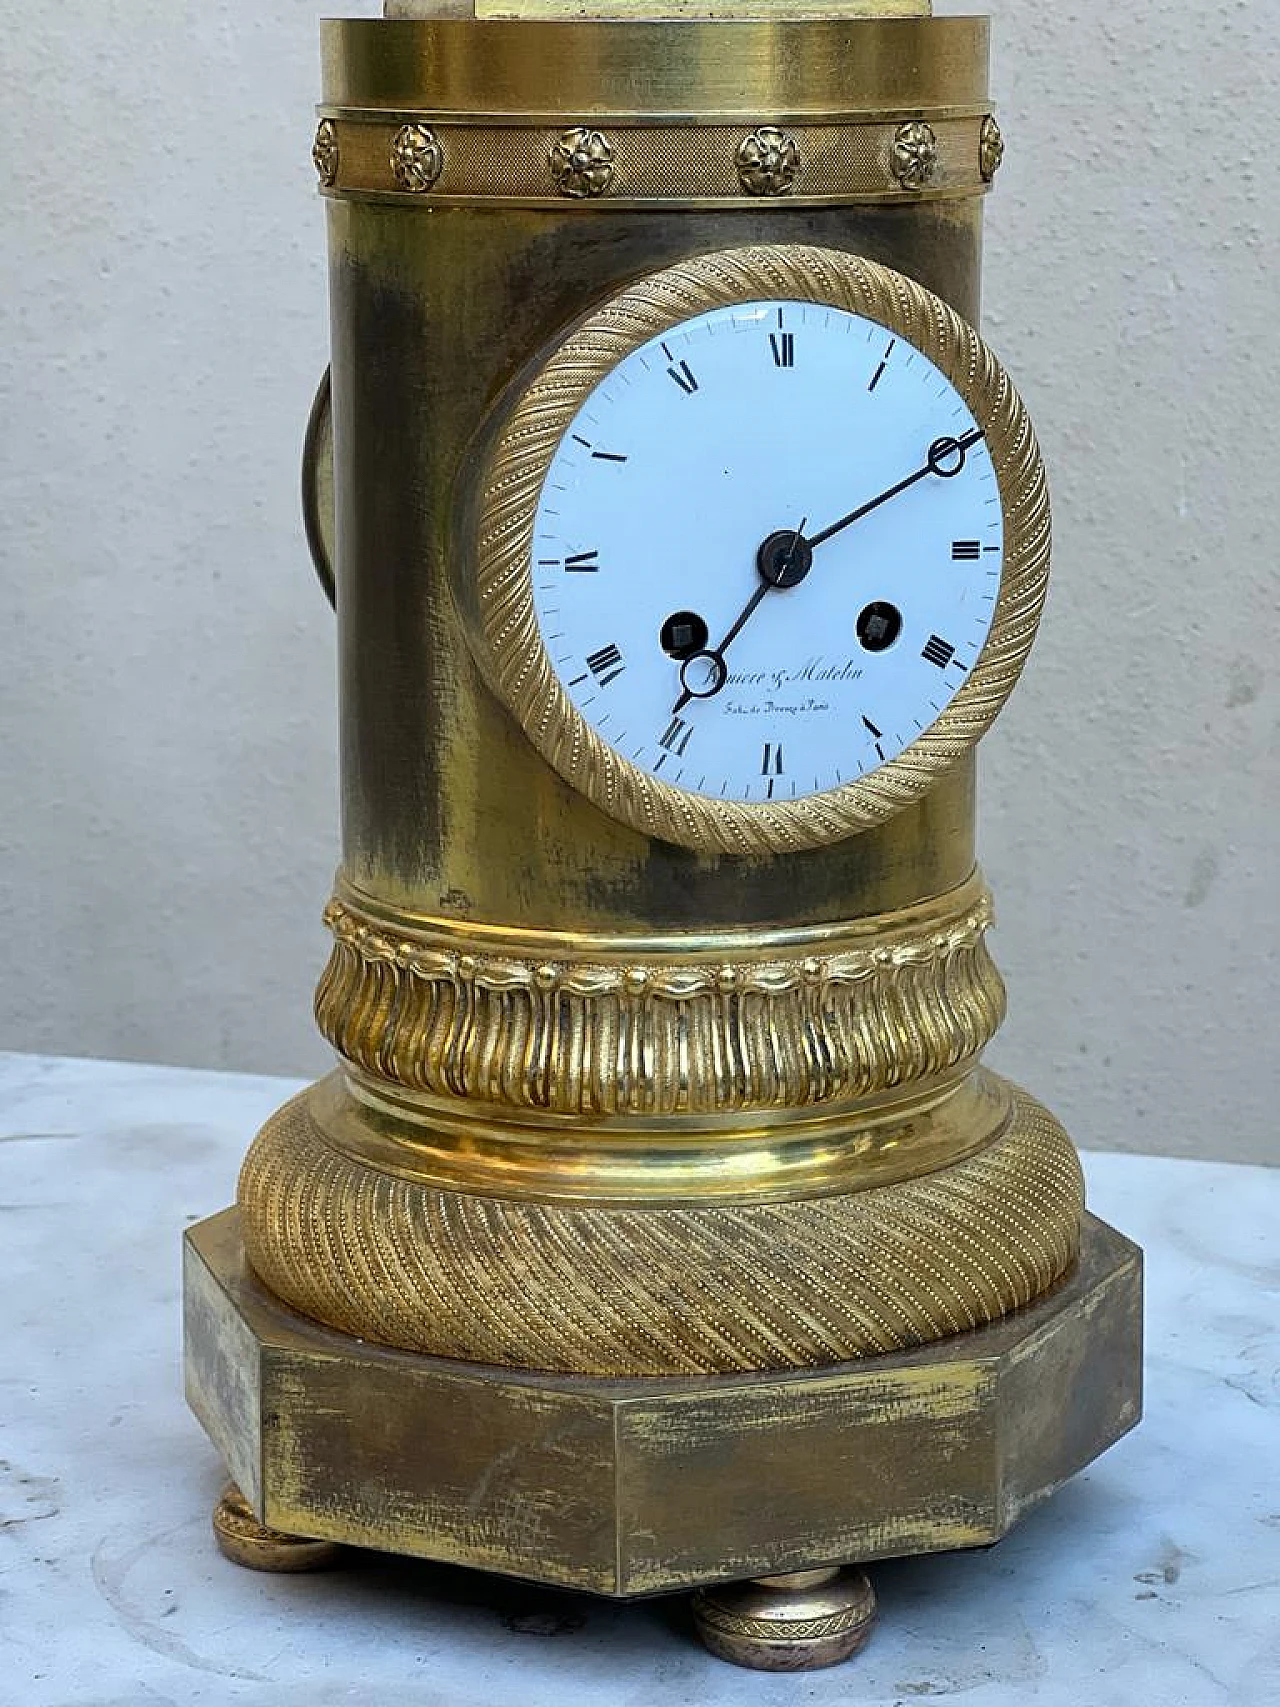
<point>447,808</point>
<point>645,8</point>
<point>784,1168</point>
<point>769,70</point>
<point>640,1487</point>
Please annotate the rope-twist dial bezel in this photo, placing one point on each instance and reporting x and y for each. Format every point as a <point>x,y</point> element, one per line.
<point>516,660</point>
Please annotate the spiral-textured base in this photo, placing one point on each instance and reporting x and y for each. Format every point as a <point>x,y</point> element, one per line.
<point>595,1288</point>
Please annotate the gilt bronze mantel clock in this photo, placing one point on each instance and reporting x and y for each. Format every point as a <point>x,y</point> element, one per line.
<point>660,1227</point>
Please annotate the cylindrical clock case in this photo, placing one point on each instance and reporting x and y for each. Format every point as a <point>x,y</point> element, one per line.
<point>660,1225</point>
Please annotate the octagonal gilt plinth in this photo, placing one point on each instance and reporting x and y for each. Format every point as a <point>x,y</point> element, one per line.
<point>634,1487</point>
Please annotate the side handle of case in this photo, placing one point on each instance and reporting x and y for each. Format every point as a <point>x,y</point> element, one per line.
<point>317,489</point>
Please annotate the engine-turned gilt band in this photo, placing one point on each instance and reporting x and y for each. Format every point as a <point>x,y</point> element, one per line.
<point>703,1286</point>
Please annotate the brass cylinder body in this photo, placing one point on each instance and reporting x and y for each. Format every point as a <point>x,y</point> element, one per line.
<point>438,306</point>
<point>607,1104</point>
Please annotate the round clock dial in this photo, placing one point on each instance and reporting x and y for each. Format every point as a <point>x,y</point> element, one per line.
<point>762,549</point>
<point>767,550</point>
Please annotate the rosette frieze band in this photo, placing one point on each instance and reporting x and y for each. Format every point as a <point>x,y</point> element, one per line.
<point>582,1026</point>
<point>614,159</point>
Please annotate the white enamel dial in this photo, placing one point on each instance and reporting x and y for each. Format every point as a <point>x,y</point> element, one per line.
<point>768,550</point>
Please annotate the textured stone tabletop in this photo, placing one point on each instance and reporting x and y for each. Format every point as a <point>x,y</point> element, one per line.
<point>1153,1578</point>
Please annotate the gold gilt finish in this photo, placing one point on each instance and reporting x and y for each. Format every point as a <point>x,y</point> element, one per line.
<point>801,1107</point>
<point>448,812</point>
<point>643,1487</point>
<point>415,158</point>
<point>771,69</point>
<point>637,165</point>
<point>515,655</point>
<point>768,161</point>
<point>991,148</point>
<point>581,162</point>
<point>581,1026</point>
<point>915,155</point>
<point>798,1622</point>
<point>245,1541</point>
<point>324,152</point>
<point>665,109</point>
<point>685,1287</point>
<point>610,1103</point>
<point>669,8</point>
<point>660,1226</point>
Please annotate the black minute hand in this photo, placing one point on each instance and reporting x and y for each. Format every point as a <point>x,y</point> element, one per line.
<point>785,559</point>
<point>946,458</point>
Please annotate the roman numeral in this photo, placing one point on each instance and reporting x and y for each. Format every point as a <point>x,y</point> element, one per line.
<point>938,651</point>
<point>966,551</point>
<point>676,737</point>
<point>783,345</point>
<point>606,665</point>
<point>582,563</point>
<point>681,372</point>
<point>878,375</point>
<point>771,765</point>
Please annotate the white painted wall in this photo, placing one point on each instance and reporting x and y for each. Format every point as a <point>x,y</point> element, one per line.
<point>167,789</point>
